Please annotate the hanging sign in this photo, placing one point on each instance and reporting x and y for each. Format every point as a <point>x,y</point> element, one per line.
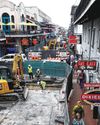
<point>87,64</point>
<point>72,39</point>
<point>92,97</point>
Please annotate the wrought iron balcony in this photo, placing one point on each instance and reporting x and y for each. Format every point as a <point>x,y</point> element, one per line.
<point>82,6</point>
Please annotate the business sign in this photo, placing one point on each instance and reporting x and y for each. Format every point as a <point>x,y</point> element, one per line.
<point>87,64</point>
<point>72,39</point>
<point>92,97</point>
<point>95,85</point>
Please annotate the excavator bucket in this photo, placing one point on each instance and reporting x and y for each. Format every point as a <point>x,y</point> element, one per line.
<point>24,94</point>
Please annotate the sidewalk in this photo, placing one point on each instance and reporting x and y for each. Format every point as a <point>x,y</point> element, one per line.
<point>76,96</point>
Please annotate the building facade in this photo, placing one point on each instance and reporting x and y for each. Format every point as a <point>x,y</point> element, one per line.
<point>16,23</point>
<point>88,15</point>
<point>90,19</point>
<point>75,30</point>
<point>39,15</point>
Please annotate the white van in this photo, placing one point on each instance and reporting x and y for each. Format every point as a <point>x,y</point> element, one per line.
<point>9,57</point>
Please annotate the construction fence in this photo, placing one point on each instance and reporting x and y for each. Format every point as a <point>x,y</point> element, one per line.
<point>48,68</point>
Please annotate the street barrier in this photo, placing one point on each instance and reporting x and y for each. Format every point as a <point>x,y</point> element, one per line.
<point>59,69</point>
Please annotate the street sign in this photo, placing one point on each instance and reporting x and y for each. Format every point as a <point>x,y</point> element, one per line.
<point>92,97</point>
<point>87,64</point>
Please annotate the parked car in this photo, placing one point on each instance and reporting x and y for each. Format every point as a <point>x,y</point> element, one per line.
<point>9,57</point>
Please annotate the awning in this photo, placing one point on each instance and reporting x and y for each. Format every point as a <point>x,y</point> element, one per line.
<point>27,24</point>
<point>2,23</point>
<point>10,24</point>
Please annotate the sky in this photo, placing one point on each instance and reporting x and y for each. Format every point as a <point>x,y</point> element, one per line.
<point>58,10</point>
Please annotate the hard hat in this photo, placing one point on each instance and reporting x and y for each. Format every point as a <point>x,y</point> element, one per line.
<point>38,69</point>
<point>29,65</point>
<point>38,83</point>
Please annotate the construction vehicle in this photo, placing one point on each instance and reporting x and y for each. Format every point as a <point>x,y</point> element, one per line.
<point>12,84</point>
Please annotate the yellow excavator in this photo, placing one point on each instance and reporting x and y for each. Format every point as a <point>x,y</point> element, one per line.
<point>12,84</point>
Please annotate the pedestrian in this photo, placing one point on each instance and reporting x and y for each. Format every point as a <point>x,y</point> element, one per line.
<point>30,72</point>
<point>78,120</point>
<point>82,79</point>
<point>78,108</point>
<point>69,86</point>
<point>68,60</point>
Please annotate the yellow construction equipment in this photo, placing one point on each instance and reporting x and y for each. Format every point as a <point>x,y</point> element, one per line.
<point>13,87</point>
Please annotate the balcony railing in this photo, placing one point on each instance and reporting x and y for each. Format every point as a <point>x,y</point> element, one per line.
<point>24,34</point>
<point>82,6</point>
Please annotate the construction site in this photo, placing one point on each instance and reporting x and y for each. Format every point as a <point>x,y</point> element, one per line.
<point>37,101</point>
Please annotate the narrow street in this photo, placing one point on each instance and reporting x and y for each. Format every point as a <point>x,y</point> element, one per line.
<point>51,47</point>
<point>39,109</point>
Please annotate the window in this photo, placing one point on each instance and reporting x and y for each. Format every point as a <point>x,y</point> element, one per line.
<point>89,35</point>
<point>93,37</point>
<point>98,46</point>
<point>13,21</point>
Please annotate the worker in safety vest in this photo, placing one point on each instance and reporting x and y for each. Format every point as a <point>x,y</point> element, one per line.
<point>42,84</point>
<point>37,74</point>
<point>30,72</point>
<point>39,81</point>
